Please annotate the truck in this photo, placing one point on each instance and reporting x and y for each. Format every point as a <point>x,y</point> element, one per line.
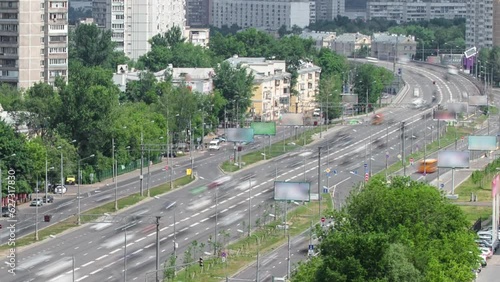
<point>377,119</point>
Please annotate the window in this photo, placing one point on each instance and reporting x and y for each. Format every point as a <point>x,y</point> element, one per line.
<point>57,50</point>
<point>8,27</point>
<point>57,39</point>
<point>57,61</point>
<point>119,17</point>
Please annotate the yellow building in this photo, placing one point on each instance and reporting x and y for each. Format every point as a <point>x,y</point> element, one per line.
<point>304,98</point>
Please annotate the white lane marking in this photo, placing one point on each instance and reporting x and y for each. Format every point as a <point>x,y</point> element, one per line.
<point>196,214</point>
<point>117,250</point>
<point>194,224</point>
<point>138,251</point>
<point>80,279</point>
<point>95,271</point>
<point>108,265</point>
<point>101,257</point>
<point>88,263</point>
<point>138,240</point>
<point>203,220</point>
<point>150,245</point>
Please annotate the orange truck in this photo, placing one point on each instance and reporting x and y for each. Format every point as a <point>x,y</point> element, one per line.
<point>377,119</point>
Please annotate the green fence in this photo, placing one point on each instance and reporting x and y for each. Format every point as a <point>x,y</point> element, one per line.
<point>124,168</point>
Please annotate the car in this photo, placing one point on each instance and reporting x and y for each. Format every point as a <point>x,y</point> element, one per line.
<point>486,252</point>
<point>170,204</point>
<point>60,189</point>
<point>198,204</point>
<point>48,199</point>
<point>220,139</point>
<point>7,212</point>
<point>219,182</point>
<point>170,155</point>
<point>482,260</point>
<point>36,202</point>
<point>71,180</point>
<point>244,185</point>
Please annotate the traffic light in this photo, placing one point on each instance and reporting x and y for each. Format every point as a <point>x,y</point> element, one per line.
<point>200,261</point>
<point>399,71</point>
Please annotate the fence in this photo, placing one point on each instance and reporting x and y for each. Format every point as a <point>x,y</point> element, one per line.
<point>125,168</point>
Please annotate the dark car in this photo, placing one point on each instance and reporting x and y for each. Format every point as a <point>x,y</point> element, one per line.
<point>170,155</point>
<point>6,212</point>
<point>48,199</point>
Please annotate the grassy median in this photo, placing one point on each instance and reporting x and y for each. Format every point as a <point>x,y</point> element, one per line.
<point>244,250</point>
<point>92,214</point>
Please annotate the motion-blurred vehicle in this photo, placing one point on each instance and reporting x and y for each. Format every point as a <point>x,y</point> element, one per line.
<point>452,70</point>
<point>429,166</point>
<point>219,182</point>
<point>232,218</point>
<point>48,199</point>
<point>199,204</point>
<point>377,119</point>
<point>245,185</point>
<point>198,190</point>
<point>170,204</point>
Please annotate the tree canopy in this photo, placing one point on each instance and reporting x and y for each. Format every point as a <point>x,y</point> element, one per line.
<point>402,231</point>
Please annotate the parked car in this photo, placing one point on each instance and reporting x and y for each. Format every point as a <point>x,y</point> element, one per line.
<point>48,199</point>
<point>6,212</point>
<point>36,202</point>
<point>170,155</point>
<point>486,252</point>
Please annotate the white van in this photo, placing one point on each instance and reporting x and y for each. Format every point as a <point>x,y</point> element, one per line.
<point>416,92</point>
<point>214,145</point>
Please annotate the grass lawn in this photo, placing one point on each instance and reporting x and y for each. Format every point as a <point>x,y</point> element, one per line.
<point>474,212</point>
<point>93,214</point>
<point>482,190</point>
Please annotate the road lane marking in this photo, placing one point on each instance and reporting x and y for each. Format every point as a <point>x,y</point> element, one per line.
<point>80,279</point>
<point>138,240</point>
<point>117,250</point>
<point>194,224</point>
<point>136,252</point>
<point>101,257</point>
<point>88,263</point>
<point>150,245</point>
<point>95,271</point>
<point>108,265</point>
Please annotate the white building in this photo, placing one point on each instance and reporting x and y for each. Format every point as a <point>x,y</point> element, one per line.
<point>262,14</point>
<point>197,36</point>
<point>479,24</point>
<point>307,87</point>
<point>312,11</point>
<point>134,22</point>
<point>322,39</point>
<point>415,10</point>
<point>196,79</point>
<point>328,10</point>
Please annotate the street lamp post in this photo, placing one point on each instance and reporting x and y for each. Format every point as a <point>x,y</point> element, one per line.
<point>1,197</point>
<point>79,183</point>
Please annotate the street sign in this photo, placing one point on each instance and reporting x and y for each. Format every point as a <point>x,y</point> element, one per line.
<point>462,138</point>
<point>387,155</point>
<point>311,247</point>
<point>223,259</point>
<point>327,170</point>
<point>166,167</point>
<point>223,254</point>
<point>365,165</point>
<point>323,219</point>
<point>328,174</point>
<point>367,177</point>
<point>325,190</point>
<point>411,161</point>
<point>441,186</point>
<point>334,172</point>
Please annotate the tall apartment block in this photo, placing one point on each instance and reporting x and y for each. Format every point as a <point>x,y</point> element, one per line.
<point>33,41</point>
<point>415,10</point>
<point>262,14</point>
<point>479,23</point>
<point>328,10</point>
<point>197,13</point>
<point>134,22</point>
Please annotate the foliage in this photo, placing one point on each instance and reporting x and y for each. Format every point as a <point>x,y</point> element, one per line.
<point>10,98</point>
<point>92,46</point>
<point>403,231</point>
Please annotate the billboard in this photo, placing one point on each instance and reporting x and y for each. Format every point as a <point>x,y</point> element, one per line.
<point>457,107</point>
<point>478,100</point>
<point>482,143</point>
<point>444,115</point>
<point>453,159</point>
<point>263,128</point>
<point>292,119</point>
<point>350,98</point>
<point>239,134</point>
<point>292,191</point>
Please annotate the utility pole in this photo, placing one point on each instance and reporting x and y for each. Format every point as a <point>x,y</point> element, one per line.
<point>142,165</point>
<point>216,213</point>
<point>149,172</point>
<point>115,164</point>
<point>249,206</point>
<point>288,260</point>
<point>157,248</point>
<point>113,157</point>
<point>319,181</point>
<point>124,259</point>
<point>403,147</point>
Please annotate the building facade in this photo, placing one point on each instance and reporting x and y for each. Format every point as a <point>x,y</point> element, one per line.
<point>386,46</point>
<point>197,13</point>
<point>134,22</point>
<point>322,39</point>
<point>261,14</point>
<point>197,36</point>
<point>271,95</point>
<point>348,44</point>
<point>415,10</point>
<point>304,100</point>
<point>196,79</point>
<point>328,10</point>
<point>479,25</point>
<point>33,41</point>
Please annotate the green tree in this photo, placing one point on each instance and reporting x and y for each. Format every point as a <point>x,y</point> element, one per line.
<point>42,102</point>
<point>10,98</point>
<point>402,231</point>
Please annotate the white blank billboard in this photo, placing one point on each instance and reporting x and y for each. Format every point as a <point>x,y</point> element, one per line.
<point>478,100</point>
<point>292,191</point>
<point>292,119</point>
<point>239,134</point>
<point>453,159</point>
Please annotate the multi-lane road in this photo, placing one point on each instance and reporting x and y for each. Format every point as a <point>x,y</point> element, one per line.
<point>97,250</point>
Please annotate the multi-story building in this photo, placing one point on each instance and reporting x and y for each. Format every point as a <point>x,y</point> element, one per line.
<point>33,41</point>
<point>323,39</point>
<point>271,95</point>
<point>480,24</point>
<point>415,10</point>
<point>312,11</point>
<point>196,79</point>
<point>134,22</point>
<point>262,14</point>
<point>197,13</point>
<point>304,98</point>
<point>386,46</point>
<point>348,44</point>
<point>328,10</point>
<point>197,36</point>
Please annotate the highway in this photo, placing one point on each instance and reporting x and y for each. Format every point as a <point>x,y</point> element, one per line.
<point>98,248</point>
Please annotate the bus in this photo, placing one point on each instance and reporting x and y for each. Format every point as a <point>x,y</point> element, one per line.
<point>429,166</point>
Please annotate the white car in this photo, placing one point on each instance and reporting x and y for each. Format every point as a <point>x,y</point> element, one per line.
<point>232,218</point>
<point>198,204</point>
<point>486,252</point>
<point>245,185</point>
<point>60,189</point>
<point>36,202</point>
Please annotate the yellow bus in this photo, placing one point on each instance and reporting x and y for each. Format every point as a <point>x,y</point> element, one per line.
<point>429,166</point>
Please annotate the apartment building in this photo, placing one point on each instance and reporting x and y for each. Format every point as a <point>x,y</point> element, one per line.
<point>304,100</point>
<point>197,13</point>
<point>348,44</point>
<point>328,10</point>
<point>322,39</point>
<point>267,15</point>
<point>197,36</point>
<point>386,46</point>
<point>415,10</point>
<point>271,95</point>
<point>480,23</point>
<point>312,11</point>
<point>134,22</point>
<point>33,41</point>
